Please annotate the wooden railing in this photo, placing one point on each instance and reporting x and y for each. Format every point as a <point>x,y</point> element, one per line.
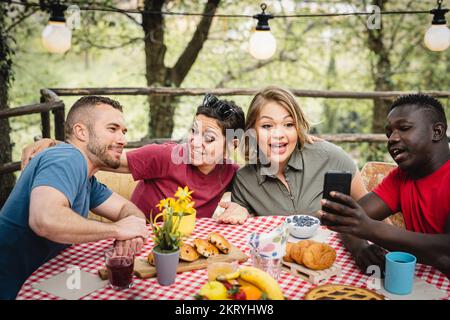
<point>388,95</point>
<point>50,101</point>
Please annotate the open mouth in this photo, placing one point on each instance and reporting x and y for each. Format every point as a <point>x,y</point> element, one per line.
<point>398,154</point>
<point>278,147</point>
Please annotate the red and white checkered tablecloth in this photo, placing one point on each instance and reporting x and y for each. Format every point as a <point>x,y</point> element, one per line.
<point>89,257</point>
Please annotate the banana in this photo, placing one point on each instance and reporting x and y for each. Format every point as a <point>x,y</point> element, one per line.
<point>228,276</point>
<point>262,280</point>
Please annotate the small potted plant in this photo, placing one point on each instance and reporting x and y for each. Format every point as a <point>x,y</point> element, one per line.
<point>167,236</point>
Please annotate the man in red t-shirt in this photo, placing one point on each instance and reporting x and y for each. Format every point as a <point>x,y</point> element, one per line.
<point>419,188</point>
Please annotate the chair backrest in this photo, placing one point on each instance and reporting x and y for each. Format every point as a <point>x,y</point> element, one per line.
<point>373,173</point>
<point>120,183</point>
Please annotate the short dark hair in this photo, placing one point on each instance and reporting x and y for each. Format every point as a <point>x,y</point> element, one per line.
<point>423,101</point>
<point>79,111</point>
<point>235,121</point>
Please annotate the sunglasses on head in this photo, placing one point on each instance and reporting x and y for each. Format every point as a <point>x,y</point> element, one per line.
<point>223,109</point>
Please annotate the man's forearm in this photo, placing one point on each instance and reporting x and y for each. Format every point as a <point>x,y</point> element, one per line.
<point>352,243</point>
<point>430,249</point>
<point>130,209</point>
<point>74,229</point>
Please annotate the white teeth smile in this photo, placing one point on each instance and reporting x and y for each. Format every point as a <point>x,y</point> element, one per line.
<point>396,152</point>
<point>278,145</point>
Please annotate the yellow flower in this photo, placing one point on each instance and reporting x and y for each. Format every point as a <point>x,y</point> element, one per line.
<point>183,193</point>
<point>190,208</point>
<point>165,203</point>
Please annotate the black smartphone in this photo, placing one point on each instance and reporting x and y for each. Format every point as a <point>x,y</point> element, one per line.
<point>339,181</point>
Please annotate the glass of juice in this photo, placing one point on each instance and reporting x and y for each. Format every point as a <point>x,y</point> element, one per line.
<point>120,263</point>
<point>220,268</point>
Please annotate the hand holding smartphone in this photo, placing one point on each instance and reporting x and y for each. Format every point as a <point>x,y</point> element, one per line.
<point>339,181</point>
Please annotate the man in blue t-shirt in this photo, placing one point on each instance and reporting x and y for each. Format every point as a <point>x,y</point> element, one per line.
<point>47,209</point>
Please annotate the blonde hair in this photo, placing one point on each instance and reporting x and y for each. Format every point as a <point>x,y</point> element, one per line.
<point>287,100</point>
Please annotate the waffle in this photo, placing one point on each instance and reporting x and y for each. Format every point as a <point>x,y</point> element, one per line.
<point>341,292</point>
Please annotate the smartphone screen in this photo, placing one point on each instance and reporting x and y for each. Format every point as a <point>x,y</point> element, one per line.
<point>339,181</point>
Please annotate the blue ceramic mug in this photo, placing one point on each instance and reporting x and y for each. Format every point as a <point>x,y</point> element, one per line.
<point>400,269</point>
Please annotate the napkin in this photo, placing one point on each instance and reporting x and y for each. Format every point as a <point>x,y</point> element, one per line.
<point>422,290</point>
<point>270,245</point>
<point>72,284</point>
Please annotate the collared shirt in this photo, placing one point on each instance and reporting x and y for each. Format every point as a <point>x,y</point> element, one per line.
<point>263,194</point>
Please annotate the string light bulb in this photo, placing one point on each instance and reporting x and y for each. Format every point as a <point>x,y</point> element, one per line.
<point>262,43</point>
<point>437,37</point>
<point>56,36</point>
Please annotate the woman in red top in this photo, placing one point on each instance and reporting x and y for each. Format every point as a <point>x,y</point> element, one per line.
<point>202,163</point>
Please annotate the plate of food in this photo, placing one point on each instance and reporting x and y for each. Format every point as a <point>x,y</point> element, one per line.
<point>311,260</point>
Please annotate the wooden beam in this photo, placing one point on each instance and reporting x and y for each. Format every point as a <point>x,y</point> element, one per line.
<point>30,109</point>
<point>334,138</point>
<point>238,92</point>
<point>48,95</point>
<point>59,116</point>
<point>347,137</point>
<point>9,167</point>
<point>45,123</point>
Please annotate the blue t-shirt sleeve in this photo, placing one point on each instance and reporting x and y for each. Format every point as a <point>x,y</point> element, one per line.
<point>64,171</point>
<point>99,193</point>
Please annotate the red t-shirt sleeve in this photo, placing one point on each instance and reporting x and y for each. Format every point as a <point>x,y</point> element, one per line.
<point>389,190</point>
<point>150,161</point>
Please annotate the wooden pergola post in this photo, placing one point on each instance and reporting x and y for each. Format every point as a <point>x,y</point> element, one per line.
<point>58,115</point>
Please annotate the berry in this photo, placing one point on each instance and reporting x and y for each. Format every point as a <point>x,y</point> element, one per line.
<point>240,295</point>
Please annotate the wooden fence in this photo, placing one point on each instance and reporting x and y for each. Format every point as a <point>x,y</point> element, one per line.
<point>51,102</point>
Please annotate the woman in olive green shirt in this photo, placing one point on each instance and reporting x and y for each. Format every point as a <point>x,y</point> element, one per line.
<point>285,174</point>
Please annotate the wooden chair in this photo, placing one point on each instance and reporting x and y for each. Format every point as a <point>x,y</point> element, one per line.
<point>120,183</point>
<point>372,174</point>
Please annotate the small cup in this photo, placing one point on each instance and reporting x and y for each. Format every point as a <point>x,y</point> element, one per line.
<point>399,275</point>
<point>269,265</point>
<point>219,268</point>
<point>120,265</point>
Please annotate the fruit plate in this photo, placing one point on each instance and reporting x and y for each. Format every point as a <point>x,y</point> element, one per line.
<point>313,276</point>
<point>247,283</point>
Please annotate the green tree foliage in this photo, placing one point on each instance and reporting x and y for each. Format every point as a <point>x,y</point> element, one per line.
<point>329,53</point>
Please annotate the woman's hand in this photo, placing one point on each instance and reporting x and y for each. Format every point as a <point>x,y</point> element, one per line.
<point>233,214</point>
<point>311,139</point>
<point>30,151</point>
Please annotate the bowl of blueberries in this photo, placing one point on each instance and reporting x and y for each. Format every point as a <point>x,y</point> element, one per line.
<point>302,226</point>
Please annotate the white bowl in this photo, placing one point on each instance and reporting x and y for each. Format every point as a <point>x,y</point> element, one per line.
<point>302,226</point>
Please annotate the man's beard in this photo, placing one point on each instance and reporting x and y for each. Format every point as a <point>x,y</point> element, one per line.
<point>101,153</point>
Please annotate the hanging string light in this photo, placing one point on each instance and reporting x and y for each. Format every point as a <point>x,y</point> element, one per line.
<point>262,43</point>
<point>56,36</point>
<point>437,37</point>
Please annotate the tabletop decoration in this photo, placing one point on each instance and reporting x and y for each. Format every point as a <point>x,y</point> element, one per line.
<point>167,237</point>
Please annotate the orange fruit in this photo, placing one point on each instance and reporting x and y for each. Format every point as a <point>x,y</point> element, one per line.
<point>251,292</point>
